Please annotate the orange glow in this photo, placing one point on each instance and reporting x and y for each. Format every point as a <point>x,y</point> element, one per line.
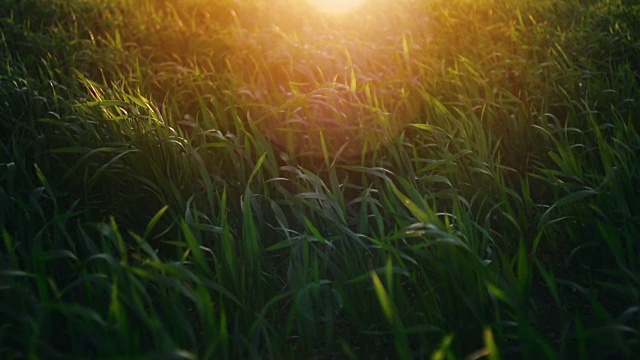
<point>336,6</point>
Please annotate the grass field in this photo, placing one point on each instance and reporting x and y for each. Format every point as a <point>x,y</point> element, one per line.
<point>226,179</point>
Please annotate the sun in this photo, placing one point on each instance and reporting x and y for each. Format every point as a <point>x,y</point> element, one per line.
<point>336,6</point>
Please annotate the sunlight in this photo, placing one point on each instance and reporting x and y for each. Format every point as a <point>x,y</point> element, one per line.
<point>336,6</point>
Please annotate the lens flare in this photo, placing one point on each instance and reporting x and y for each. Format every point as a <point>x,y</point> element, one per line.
<point>336,6</point>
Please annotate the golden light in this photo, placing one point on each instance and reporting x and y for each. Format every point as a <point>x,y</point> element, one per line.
<point>336,6</point>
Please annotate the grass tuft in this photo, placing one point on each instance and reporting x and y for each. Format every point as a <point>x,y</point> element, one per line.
<point>252,179</point>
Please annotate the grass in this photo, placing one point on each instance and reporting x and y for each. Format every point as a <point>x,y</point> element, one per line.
<point>214,179</point>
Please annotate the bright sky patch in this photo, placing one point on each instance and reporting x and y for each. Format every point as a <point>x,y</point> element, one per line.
<point>336,6</point>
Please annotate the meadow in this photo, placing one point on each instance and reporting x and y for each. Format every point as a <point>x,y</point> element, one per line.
<point>226,179</point>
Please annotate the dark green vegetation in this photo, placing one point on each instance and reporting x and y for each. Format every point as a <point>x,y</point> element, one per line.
<point>238,179</point>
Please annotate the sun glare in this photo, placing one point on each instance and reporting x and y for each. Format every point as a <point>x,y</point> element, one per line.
<point>336,6</point>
